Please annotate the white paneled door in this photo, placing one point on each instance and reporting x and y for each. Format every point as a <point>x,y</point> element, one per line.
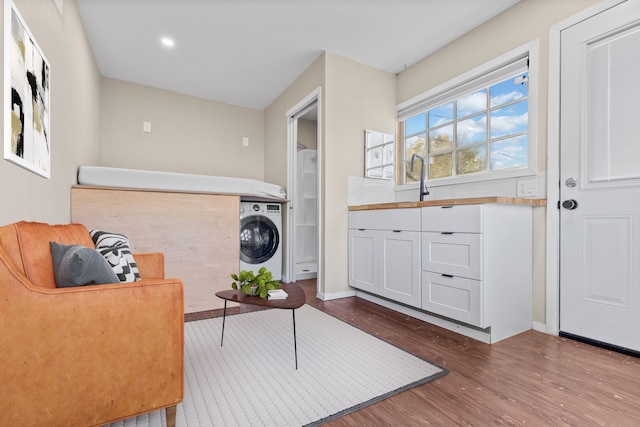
<point>600,178</point>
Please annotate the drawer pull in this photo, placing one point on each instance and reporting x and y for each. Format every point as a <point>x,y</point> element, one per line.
<point>397,231</point>
<point>447,232</point>
<point>361,229</point>
<point>447,207</point>
<point>447,275</point>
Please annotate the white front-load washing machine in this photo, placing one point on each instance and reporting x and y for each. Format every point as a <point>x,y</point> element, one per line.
<point>260,237</point>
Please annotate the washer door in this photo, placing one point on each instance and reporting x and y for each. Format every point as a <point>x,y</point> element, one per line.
<point>259,239</point>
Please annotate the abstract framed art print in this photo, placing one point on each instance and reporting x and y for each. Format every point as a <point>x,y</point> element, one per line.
<point>27,138</point>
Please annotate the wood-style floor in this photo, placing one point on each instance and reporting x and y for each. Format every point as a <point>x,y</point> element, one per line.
<point>532,379</point>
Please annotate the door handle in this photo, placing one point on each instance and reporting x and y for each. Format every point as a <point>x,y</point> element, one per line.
<point>570,204</point>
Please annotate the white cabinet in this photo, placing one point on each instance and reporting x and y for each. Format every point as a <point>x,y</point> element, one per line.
<point>467,268</point>
<point>384,253</point>
<point>477,266</point>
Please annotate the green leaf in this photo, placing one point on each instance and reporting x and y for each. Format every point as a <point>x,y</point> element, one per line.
<point>264,293</point>
<point>234,277</point>
<point>234,286</point>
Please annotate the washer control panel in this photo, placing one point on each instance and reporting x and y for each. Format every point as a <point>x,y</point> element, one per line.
<point>269,208</point>
<point>273,208</point>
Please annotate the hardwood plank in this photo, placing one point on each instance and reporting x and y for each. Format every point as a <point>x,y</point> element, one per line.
<point>529,379</point>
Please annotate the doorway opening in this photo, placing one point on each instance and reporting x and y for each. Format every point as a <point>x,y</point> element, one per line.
<point>306,206</point>
<point>303,219</point>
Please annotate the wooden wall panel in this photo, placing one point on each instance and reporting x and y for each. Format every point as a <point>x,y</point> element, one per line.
<point>198,233</point>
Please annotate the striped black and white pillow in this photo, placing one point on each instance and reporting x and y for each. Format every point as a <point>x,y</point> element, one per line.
<point>116,250</point>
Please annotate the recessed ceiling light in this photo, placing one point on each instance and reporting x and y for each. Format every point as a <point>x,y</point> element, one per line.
<point>166,41</point>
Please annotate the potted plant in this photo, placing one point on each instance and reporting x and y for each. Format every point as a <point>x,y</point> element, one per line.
<point>252,284</point>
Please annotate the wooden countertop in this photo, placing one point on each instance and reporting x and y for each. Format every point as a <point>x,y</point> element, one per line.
<point>449,202</point>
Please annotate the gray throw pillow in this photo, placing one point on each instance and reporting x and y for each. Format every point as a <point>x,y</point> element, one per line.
<point>76,265</point>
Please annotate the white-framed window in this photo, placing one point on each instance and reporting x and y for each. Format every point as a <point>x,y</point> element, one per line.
<point>476,127</point>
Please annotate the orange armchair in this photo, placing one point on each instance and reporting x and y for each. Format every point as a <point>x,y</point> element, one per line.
<point>84,356</point>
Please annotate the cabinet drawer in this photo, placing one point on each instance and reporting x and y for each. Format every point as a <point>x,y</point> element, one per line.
<point>459,218</point>
<point>456,254</point>
<point>453,297</point>
<point>386,219</point>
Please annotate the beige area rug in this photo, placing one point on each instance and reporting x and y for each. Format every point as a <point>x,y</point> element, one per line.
<point>340,370</point>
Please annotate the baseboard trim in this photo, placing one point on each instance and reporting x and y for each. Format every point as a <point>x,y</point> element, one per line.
<point>540,327</point>
<point>336,295</point>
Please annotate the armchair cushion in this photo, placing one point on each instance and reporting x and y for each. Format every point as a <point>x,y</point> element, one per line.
<point>76,265</point>
<point>116,250</point>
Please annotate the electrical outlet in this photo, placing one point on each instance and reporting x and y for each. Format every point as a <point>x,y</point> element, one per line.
<point>527,188</point>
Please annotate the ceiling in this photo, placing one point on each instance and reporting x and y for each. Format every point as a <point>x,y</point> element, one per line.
<point>247,52</point>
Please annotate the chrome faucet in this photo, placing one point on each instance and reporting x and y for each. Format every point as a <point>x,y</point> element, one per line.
<point>423,188</point>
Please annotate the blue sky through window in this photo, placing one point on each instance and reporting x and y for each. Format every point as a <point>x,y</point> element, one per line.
<point>485,130</point>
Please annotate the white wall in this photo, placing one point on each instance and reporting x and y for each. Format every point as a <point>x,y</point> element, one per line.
<point>188,134</point>
<point>275,120</point>
<point>354,97</point>
<point>75,117</point>
<point>357,97</point>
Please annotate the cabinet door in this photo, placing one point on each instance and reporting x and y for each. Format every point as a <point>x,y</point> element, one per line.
<point>363,262</point>
<point>401,266</point>
<point>454,297</point>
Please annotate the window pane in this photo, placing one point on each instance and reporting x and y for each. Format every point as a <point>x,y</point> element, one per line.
<point>471,160</point>
<point>441,115</point>
<point>509,120</point>
<point>415,145</point>
<point>472,103</point>
<point>412,175</point>
<point>415,124</point>
<point>473,130</point>
<point>374,157</point>
<point>508,91</point>
<point>509,153</point>
<point>441,166</point>
<point>441,139</point>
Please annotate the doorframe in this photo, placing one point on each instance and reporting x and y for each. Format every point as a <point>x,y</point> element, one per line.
<point>289,266</point>
<point>553,161</point>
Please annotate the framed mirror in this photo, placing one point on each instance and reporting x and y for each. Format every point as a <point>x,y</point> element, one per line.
<point>379,155</point>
